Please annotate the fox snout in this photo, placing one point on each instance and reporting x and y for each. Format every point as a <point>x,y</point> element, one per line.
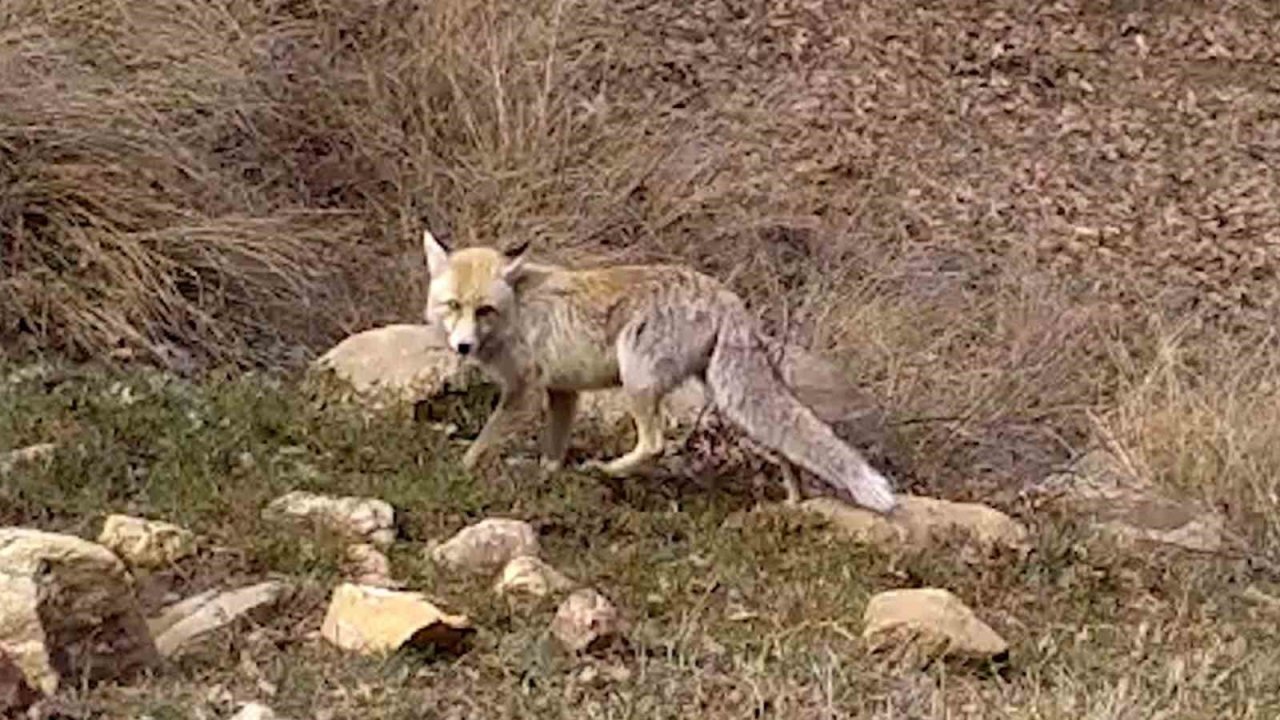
<point>463,337</point>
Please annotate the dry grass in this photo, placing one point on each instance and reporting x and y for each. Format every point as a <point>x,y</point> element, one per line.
<point>1026,229</point>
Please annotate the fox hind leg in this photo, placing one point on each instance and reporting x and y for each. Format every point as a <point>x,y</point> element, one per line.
<point>655,354</point>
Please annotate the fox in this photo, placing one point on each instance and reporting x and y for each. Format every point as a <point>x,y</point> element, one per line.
<point>549,333</point>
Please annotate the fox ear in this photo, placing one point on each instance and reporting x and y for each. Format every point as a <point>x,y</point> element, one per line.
<point>437,253</point>
<point>515,262</point>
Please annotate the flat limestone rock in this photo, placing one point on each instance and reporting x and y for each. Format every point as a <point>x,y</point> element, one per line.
<point>68,610</point>
<point>184,622</point>
<point>917,520</point>
<point>146,543</point>
<point>372,620</point>
<point>933,620</point>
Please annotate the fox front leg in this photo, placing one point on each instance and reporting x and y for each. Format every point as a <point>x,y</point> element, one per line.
<point>514,404</point>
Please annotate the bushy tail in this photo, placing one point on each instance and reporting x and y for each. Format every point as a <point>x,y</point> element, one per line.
<point>749,392</point>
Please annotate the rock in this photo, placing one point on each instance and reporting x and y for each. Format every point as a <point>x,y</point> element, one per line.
<point>371,620</point>
<point>68,610</point>
<point>587,622</point>
<point>185,621</point>
<point>254,711</point>
<point>16,694</point>
<point>487,545</point>
<point>32,453</point>
<point>366,519</point>
<point>918,520</point>
<point>368,566</point>
<point>396,363</point>
<point>931,621</point>
<point>531,576</point>
<point>146,543</point>
<point>1100,487</point>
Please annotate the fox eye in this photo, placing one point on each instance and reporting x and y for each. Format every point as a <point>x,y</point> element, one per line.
<point>486,311</point>
<point>452,306</point>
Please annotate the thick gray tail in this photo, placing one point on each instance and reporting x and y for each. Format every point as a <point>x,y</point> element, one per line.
<point>747,389</point>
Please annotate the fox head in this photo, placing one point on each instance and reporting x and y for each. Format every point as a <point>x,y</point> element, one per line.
<point>472,292</point>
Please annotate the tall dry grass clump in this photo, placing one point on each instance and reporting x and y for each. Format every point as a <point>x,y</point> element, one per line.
<point>234,179</point>
<point>1203,418</point>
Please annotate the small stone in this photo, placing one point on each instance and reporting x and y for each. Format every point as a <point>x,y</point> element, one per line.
<point>487,545</point>
<point>180,624</point>
<point>918,520</point>
<point>254,711</point>
<point>530,575</point>
<point>933,621</point>
<point>146,543</point>
<point>373,620</point>
<point>16,694</point>
<point>68,610</point>
<point>368,566</point>
<point>32,453</point>
<point>586,622</point>
<point>368,519</point>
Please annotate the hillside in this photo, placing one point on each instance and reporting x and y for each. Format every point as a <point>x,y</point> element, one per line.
<point>1028,231</point>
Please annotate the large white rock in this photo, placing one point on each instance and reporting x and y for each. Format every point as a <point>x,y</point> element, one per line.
<point>487,545</point>
<point>370,620</point>
<point>68,610</point>
<point>398,362</point>
<point>146,543</point>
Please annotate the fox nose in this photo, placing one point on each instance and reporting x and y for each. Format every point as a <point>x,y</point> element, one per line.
<point>464,348</point>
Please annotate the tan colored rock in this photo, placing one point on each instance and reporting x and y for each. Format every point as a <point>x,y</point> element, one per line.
<point>368,566</point>
<point>68,610</point>
<point>918,520</point>
<point>529,575</point>
<point>32,453</point>
<point>369,620</point>
<point>931,621</point>
<point>184,622</point>
<point>487,545</point>
<point>1100,487</point>
<point>16,694</point>
<point>146,543</point>
<point>366,519</point>
<point>587,622</point>
<point>396,363</point>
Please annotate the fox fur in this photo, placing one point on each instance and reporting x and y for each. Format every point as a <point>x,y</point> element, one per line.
<point>543,331</point>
